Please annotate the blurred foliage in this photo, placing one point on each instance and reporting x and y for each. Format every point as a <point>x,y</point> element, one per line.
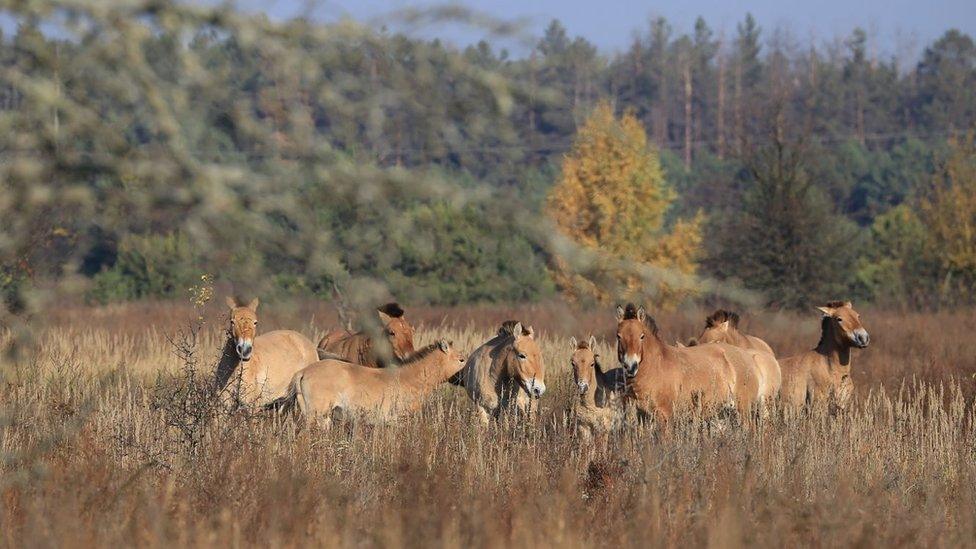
<point>298,157</point>
<point>948,212</point>
<point>612,198</point>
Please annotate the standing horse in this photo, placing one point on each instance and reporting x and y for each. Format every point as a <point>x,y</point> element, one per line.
<point>257,368</point>
<point>358,347</point>
<point>663,378</point>
<point>824,373</point>
<point>331,387</point>
<point>723,327</point>
<point>505,371</point>
<point>599,408</point>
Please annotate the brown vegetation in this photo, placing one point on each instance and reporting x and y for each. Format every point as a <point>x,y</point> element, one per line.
<point>104,443</point>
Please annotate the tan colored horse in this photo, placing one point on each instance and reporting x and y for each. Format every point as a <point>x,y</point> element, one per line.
<point>663,378</point>
<point>254,368</point>
<point>599,409</point>
<point>329,388</point>
<point>824,373</point>
<point>505,371</point>
<point>358,347</point>
<point>723,327</point>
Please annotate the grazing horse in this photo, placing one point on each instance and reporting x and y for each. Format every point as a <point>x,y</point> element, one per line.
<point>599,408</point>
<point>662,378</point>
<point>329,388</point>
<point>723,327</point>
<point>506,370</point>
<point>358,347</point>
<point>257,368</point>
<point>824,373</point>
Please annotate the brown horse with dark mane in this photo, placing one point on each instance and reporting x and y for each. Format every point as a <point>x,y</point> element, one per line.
<point>358,347</point>
<point>823,374</point>
<point>722,326</point>
<point>663,378</point>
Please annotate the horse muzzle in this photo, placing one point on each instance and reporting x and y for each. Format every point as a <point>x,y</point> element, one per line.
<point>244,350</point>
<point>583,387</point>
<point>861,338</point>
<point>535,388</point>
<point>630,364</point>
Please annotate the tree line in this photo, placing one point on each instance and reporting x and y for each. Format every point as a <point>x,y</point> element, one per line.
<point>144,149</point>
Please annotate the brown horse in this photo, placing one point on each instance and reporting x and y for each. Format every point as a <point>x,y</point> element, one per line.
<point>332,387</point>
<point>824,373</point>
<point>599,409</point>
<point>358,347</point>
<point>663,378</point>
<point>506,370</point>
<point>723,327</point>
<point>254,368</point>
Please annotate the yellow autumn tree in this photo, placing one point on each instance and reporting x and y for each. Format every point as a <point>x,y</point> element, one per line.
<point>948,212</point>
<point>611,199</point>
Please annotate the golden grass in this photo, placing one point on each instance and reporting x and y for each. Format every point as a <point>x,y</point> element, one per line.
<point>98,449</point>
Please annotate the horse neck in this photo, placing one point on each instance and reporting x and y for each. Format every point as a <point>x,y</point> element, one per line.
<point>500,360</point>
<point>838,355</point>
<point>424,374</point>
<point>737,338</point>
<point>654,352</point>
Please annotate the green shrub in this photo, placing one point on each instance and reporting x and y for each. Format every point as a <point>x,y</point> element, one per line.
<point>148,266</point>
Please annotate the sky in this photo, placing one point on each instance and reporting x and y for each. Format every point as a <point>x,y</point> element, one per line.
<point>897,27</point>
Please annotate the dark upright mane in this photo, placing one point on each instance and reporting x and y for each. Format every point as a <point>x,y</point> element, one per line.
<point>630,313</point>
<point>721,316</point>
<point>393,309</point>
<point>835,304</point>
<point>583,344</point>
<point>421,354</point>
<point>508,326</point>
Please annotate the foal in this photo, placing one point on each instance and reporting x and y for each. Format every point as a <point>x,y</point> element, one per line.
<point>331,387</point>
<point>599,408</point>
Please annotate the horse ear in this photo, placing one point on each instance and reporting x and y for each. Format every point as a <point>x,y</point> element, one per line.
<point>620,313</point>
<point>445,345</point>
<point>592,343</point>
<point>253,305</point>
<point>574,343</point>
<point>384,318</point>
<point>641,313</point>
<point>530,331</point>
<point>724,326</point>
<point>827,311</point>
<point>517,330</point>
<point>849,304</point>
<point>230,302</point>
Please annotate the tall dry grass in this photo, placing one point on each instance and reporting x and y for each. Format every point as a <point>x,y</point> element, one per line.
<point>104,444</point>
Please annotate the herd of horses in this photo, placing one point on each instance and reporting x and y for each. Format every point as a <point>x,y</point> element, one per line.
<point>350,376</point>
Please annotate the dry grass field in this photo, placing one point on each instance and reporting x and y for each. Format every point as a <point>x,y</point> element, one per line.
<point>105,439</point>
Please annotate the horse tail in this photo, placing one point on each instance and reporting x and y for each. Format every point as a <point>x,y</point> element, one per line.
<point>287,403</point>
